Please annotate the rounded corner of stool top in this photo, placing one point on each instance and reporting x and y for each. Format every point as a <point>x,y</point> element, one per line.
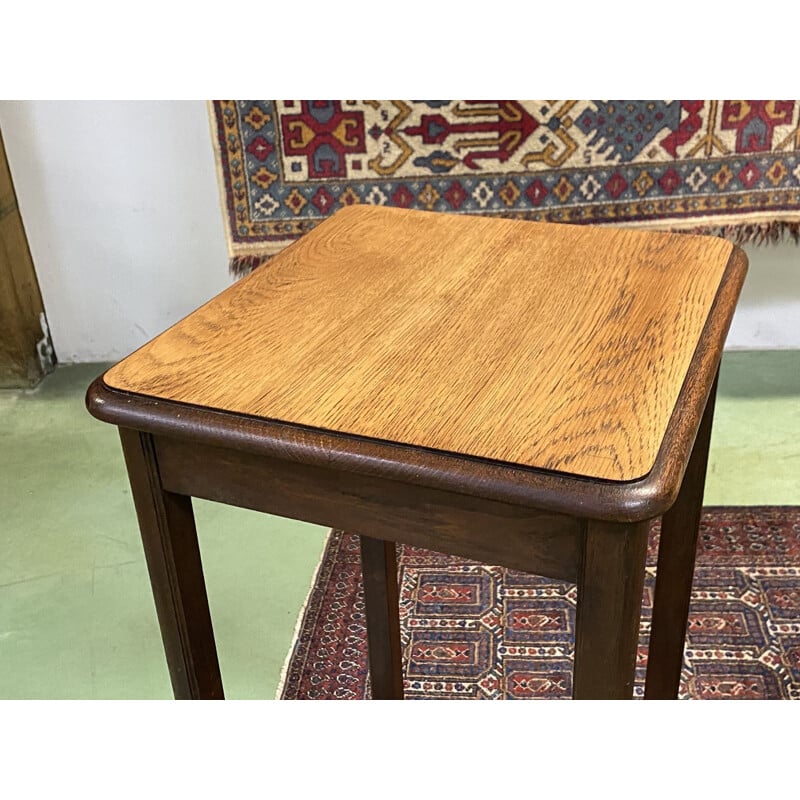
<point>100,399</point>
<point>643,499</point>
<point>738,261</point>
<point>94,399</point>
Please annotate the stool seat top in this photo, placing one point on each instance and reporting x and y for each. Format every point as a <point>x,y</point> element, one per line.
<point>556,347</point>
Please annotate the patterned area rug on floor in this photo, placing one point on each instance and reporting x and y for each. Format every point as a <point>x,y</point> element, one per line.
<point>484,632</point>
<point>730,166</point>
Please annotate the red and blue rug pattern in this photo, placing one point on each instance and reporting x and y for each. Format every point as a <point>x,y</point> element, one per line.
<point>473,631</point>
<point>284,165</point>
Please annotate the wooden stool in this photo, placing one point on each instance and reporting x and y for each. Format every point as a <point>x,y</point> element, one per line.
<point>524,394</point>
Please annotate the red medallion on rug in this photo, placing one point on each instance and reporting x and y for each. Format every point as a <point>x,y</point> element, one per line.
<point>483,632</point>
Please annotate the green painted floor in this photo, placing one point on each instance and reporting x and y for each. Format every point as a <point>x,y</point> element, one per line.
<point>76,615</point>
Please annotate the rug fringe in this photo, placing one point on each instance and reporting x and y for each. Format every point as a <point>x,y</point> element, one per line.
<point>755,233</point>
<point>239,266</point>
<point>762,232</point>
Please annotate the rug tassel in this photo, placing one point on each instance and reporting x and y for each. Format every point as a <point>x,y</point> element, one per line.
<point>239,266</point>
<point>764,233</point>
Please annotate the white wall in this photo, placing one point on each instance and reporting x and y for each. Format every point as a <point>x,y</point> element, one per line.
<point>120,203</point>
<point>121,208</point>
<point>768,314</point>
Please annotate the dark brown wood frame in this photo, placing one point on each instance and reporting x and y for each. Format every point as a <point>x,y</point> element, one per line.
<point>592,532</point>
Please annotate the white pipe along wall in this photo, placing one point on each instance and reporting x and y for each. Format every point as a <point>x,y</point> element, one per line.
<point>121,207</point>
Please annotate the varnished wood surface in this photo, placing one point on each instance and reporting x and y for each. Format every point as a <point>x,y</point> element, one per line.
<point>556,347</point>
<point>169,537</point>
<point>609,607</point>
<point>382,606</point>
<point>677,549</point>
<point>457,524</point>
<point>547,522</point>
<point>629,501</point>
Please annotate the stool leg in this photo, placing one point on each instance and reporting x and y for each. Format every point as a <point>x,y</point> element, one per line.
<point>609,606</point>
<point>381,597</point>
<point>170,544</point>
<point>676,555</point>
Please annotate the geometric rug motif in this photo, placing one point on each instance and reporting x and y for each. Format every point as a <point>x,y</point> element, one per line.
<point>474,631</point>
<point>730,166</point>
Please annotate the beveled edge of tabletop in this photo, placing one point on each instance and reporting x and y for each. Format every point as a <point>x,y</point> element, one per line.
<point>619,501</point>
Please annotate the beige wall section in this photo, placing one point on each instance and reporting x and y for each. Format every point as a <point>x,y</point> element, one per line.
<point>121,208</point>
<point>25,349</point>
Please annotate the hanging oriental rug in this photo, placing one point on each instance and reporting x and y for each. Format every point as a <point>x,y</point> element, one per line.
<point>472,631</point>
<point>730,167</point>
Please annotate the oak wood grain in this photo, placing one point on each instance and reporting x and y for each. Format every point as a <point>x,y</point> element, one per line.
<point>550,346</point>
<point>613,501</point>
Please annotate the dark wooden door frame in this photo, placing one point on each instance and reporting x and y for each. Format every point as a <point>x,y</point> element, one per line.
<point>26,350</point>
